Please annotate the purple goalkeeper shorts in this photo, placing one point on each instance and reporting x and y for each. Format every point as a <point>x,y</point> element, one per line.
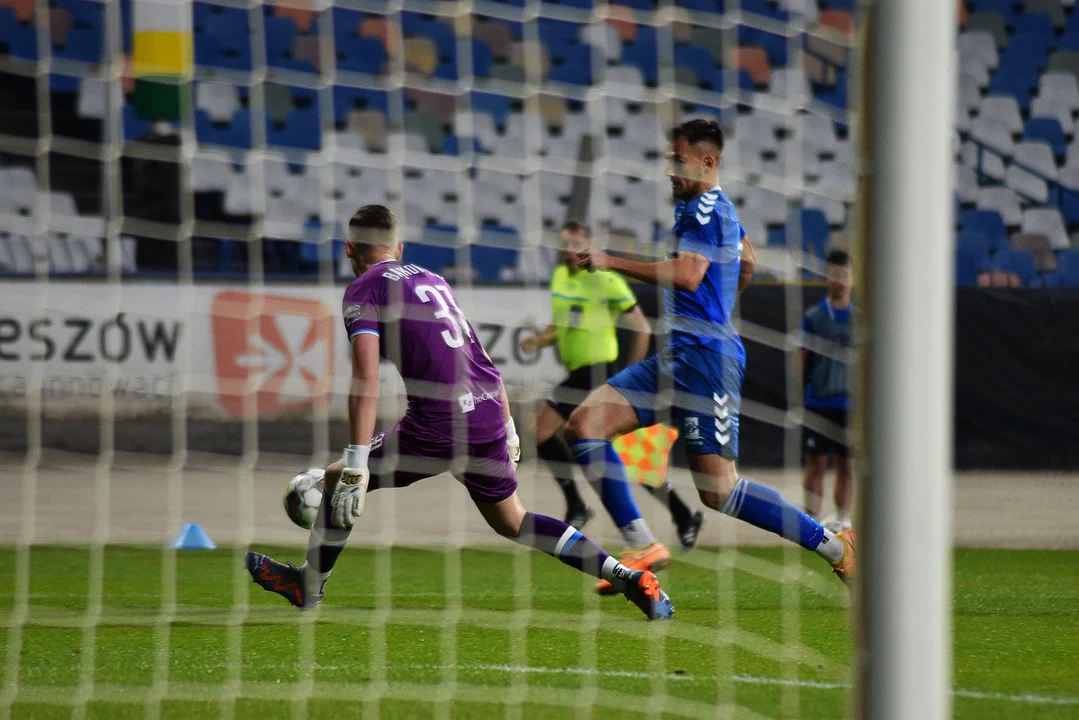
<point>401,457</point>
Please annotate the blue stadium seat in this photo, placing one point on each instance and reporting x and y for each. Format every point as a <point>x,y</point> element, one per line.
<point>345,23</point>
<point>498,248</point>
<point>497,106</point>
<point>972,256</point>
<point>236,134</point>
<point>451,144</point>
<point>1034,24</point>
<point>642,53</point>
<point>697,59</point>
<point>577,67</point>
<point>482,59</point>
<point>1025,52</point>
<point>83,44</point>
<point>301,130</point>
<point>838,95</point>
<point>1019,262</point>
<point>280,32</point>
<point>1070,39</point>
<point>432,257</point>
<point>1069,205</point>
<point>586,4</point>
<point>1068,268</point>
<point>766,8</point>
<point>134,126</point>
<point>412,24</point>
<point>990,224</point>
<point>362,54</point>
<point>1014,81</point>
<point>712,6</point>
<point>346,99</point>
<point>559,36</point>
<point>774,45</point>
<point>815,232</point>
<point>1004,8</point>
<point>1047,130</point>
<point>63,83</point>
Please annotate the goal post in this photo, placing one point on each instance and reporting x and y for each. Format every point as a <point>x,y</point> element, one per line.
<point>904,621</point>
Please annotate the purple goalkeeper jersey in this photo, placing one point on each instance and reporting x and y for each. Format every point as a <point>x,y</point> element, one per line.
<point>454,390</point>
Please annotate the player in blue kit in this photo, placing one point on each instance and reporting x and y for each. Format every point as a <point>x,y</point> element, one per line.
<point>703,361</point>
<point>458,421</point>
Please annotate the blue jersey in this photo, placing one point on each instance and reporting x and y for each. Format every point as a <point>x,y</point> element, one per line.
<point>827,376</point>
<point>707,225</point>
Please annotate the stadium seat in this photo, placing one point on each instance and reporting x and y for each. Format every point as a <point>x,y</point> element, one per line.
<point>220,100</point>
<point>1068,268</point>
<point>346,99</point>
<point>1015,81</point>
<point>1045,261</point>
<point>992,132</point>
<point>978,47</point>
<point>989,224</point>
<point>236,134</point>
<point>368,55</point>
<point>991,23</point>
<point>576,68</point>
<point>1048,131</point>
<point>1032,168</point>
<point>1033,25</point>
<point>496,254</point>
<point>1046,221</point>
<point>972,253</point>
<point>1053,9</point>
<point>1005,109</point>
<point>642,54</point>
<point>1069,194</point>
<point>1018,262</point>
<point>1065,62</point>
<point>1004,8</point>
<point>1002,199</point>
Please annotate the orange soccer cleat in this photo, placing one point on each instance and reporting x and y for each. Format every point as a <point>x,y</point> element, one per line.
<point>845,568</point>
<point>653,557</point>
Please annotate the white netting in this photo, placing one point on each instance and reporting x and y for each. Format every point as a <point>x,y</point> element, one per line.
<point>172,348</point>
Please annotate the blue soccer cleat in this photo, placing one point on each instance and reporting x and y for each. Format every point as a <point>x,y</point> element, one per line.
<point>643,590</point>
<point>285,579</point>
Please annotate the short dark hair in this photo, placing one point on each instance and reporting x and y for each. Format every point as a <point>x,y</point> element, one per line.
<point>378,217</point>
<point>576,226</point>
<point>698,129</point>
<point>838,257</point>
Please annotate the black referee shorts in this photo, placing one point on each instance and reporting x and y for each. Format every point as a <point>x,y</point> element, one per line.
<point>816,443</point>
<point>571,392</point>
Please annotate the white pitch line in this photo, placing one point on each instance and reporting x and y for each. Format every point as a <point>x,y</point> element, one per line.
<point>1029,698</point>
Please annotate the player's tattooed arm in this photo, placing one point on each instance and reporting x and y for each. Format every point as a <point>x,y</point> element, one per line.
<point>749,261</point>
<point>683,272</point>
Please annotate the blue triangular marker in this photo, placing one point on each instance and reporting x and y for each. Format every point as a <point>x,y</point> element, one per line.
<point>193,537</point>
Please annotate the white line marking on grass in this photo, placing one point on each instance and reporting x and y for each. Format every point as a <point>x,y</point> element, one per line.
<point>1029,698</point>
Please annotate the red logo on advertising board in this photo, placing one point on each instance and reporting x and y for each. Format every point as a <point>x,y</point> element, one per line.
<point>273,353</point>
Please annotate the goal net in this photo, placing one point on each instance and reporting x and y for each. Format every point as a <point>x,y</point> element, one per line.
<point>176,180</point>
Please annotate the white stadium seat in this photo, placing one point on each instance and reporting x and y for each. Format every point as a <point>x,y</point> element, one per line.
<point>1003,200</point>
<point>1004,108</point>
<point>1046,221</point>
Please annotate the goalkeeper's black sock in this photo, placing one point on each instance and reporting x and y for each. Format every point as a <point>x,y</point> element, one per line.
<point>556,454</point>
<point>325,543</point>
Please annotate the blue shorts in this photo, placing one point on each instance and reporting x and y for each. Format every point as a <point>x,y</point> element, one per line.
<point>701,388</point>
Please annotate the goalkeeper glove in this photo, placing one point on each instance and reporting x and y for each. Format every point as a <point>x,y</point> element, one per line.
<point>513,444</point>
<point>346,504</point>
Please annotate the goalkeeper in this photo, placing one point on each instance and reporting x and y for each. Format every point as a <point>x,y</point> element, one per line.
<point>585,309</point>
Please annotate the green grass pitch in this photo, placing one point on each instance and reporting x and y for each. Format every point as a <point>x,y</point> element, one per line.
<point>758,633</point>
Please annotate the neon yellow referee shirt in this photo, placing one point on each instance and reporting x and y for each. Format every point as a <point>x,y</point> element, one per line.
<point>585,307</point>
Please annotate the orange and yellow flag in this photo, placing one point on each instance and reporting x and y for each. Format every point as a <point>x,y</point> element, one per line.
<point>646,452</point>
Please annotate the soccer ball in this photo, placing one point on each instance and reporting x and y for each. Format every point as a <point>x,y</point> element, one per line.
<point>303,496</point>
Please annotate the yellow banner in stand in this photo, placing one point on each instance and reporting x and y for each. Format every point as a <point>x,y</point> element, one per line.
<point>646,452</point>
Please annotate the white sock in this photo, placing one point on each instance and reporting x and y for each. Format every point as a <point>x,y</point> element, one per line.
<point>637,534</point>
<point>831,548</point>
<point>615,573</point>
